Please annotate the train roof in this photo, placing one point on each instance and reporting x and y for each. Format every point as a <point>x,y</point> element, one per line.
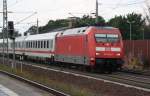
<point>44,36</point>
<point>20,38</point>
<point>80,30</point>
<point>83,30</point>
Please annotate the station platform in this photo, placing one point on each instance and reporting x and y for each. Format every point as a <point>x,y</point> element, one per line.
<point>12,87</point>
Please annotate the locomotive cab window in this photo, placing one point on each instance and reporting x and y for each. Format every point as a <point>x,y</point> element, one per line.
<point>103,38</point>
<point>112,37</point>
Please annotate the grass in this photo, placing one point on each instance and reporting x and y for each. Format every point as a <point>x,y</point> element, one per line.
<point>71,89</point>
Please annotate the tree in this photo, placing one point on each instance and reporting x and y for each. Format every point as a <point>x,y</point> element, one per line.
<point>51,25</point>
<point>137,26</point>
<point>121,22</point>
<point>32,30</point>
<point>87,20</point>
<point>60,24</point>
<point>16,34</point>
<point>147,32</point>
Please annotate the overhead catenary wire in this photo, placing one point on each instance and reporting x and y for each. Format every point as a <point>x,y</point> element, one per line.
<point>118,4</point>
<point>125,4</point>
<point>25,18</point>
<point>121,5</point>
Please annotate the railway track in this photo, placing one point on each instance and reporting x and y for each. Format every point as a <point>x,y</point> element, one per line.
<point>137,81</point>
<point>130,79</point>
<point>43,87</point>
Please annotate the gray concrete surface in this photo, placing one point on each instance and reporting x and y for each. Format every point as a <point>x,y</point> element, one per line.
<point>12,87</point>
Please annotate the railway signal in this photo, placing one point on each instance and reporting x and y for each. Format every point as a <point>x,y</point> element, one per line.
<point>12,36</point>
<point>11,29</point>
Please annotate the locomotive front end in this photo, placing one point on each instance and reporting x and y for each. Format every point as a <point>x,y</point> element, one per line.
<point>108,48</point>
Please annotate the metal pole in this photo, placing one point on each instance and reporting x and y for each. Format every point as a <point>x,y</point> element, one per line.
<point>130,31</point>
<point>130,23</point>
<point>37,27</point>
<point>143,34</point>
<point>22,57</point>
<point>5,28</point>
<point>96,21</point>
<point>14,61</point>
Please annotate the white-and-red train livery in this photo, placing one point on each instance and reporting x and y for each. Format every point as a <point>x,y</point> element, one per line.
<point>90,46</point>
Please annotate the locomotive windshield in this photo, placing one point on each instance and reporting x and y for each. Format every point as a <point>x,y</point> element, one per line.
<point>106,38</point>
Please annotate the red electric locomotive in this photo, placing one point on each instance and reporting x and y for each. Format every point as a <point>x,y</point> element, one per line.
<point>98,47</point>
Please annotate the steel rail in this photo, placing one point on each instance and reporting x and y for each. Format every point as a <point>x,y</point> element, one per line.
<point>102,77</point>
<point>123,81</point>
<point>38,85</point>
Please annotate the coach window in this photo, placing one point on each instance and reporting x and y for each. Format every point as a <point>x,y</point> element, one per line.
<point>33,44</point>
<point>29,44</point>
<point>44,44</point>
<point>47,44</point>
<point>41,44</point>
<point>16,44</point>
<point>19,45</point>
<point>51,44</point>
<point>26,44</point>
<point>38,44</point>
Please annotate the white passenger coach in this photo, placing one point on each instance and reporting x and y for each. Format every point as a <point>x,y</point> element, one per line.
<point>40,45</point>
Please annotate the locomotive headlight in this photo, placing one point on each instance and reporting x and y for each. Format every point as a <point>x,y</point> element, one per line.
<point>116,49</point>
<point>100,48</point>
<point>118,54</point>
<point>92,59</point>
<point>97,53</point>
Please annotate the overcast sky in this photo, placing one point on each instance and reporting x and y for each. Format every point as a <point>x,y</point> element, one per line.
<point>59,9</point>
